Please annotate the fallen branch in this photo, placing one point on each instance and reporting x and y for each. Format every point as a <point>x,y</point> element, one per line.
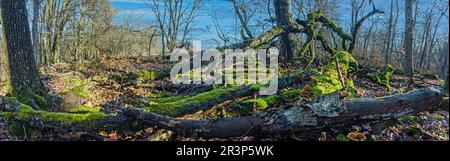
<point>299,118</point>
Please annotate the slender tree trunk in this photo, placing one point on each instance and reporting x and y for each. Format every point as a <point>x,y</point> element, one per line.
<point>36,16</point>
<point>391,31</point>
<point>426,39</point>
<point>444,69</point>
<point>409,25</point>
<point>23,72</point>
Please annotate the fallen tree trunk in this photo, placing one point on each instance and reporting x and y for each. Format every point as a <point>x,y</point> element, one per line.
<point>298,119</point>
<point>207,100</point>
<point>326,111</point>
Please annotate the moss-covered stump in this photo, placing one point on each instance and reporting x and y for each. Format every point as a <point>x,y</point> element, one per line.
<point>329,80</point>
<point>382,77</point>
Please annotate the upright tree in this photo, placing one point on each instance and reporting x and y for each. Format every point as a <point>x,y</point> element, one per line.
<point>35,32</point>
<point>22,72</point>
<point>409,26</point>
<point>284,18</point>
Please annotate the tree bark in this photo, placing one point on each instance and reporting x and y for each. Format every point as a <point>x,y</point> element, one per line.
<point>409,26</point>
<point>298,119</point>
<point>23,72</point>
<point>284,18</point>
<point>35,32</point>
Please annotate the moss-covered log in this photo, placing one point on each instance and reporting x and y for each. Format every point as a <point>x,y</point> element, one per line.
<point>286,121</point>
<point>199,102</point>
<point>86,119</point>
<point>297,118</point>
<point>214,97</point>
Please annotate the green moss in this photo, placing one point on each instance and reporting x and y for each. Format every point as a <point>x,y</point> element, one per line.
<point>146,75</point>
<point>166,99</point>
<point>284,96</point>
<point>86,109</point>
<point>156,101</point>
<point>342,137</point>
<point>259,104</point>
<point>328,82</point>
<point>263,39</point>
<point>81,91</point>
<point>3,85</point>
<point>79,88</point>
<point>151,75</point>
<point>291,94</point>
<point>247,107</point>
<point>410,118</point>
<point>334,26</point>
<point>272,100</point>
<point>26,113</point>
<point>16,129</point>
<point>382,77</point>
<point>175,108</point>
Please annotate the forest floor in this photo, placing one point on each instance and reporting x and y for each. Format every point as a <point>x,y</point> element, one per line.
<point>116,83</point>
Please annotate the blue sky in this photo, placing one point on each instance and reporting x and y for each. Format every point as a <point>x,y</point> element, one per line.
<point>203,26</point>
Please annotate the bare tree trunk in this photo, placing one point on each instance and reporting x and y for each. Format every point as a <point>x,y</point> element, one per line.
<point>357,26</point>
<point>425,40</point>
<point>409,25</point>
<point>299,119</point>
<point>35,28</point>
<point>22,71</point>
<point>284,17</point>
<point>433,38</point>
<point>391,30</point>
<point>444,69</point>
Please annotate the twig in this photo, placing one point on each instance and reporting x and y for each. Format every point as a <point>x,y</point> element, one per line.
<point>338,68</point>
